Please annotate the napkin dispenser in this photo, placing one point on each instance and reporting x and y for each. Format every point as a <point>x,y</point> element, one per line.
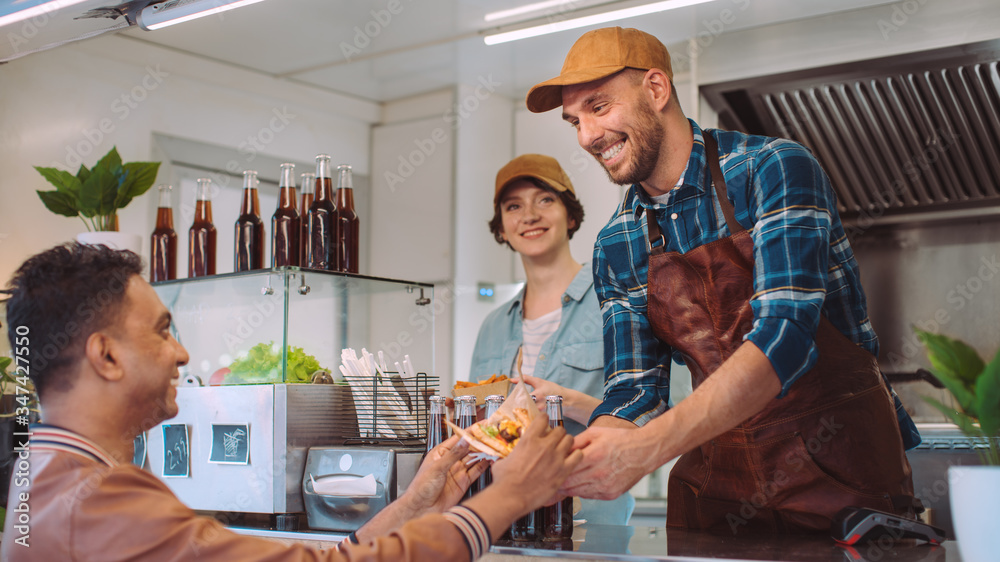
<point>337,487</point>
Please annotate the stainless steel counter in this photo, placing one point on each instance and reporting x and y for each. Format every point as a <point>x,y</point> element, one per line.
<point>643,544</point>
<point>638,544</point>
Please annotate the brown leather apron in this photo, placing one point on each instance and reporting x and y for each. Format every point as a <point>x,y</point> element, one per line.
<point>832,441</point>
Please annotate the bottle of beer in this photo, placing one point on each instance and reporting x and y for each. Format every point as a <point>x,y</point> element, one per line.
<point>308,184</point>
<point>464,415</point>
<point>201,236</point>
<point>493,403</point>
<point>465,409</point>
<point>528,527</point>
<point>321,253</point>
<point>286,226</point>
<point>249,228</point>
<point>163,244</point>
<point>437,430</point>
<point>557,519</point>
<point>347,222</point>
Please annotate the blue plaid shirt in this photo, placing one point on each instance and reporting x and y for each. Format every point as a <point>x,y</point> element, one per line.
<point>803,266</point>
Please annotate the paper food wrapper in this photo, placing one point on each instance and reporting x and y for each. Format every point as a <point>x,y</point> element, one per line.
<point>347,485</point>
<point>481,391</point>
<point>520,397</point>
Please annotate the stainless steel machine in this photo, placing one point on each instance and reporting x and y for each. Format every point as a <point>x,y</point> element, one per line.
<point>262,395</point>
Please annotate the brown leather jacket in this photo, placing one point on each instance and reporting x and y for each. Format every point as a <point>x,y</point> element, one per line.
<point>82,509</point>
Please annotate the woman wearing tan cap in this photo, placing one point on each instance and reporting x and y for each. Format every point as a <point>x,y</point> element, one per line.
<point>551,332</point>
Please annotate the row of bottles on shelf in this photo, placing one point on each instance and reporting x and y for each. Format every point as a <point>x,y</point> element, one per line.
<point>549,523</point>
<point>323,235</point>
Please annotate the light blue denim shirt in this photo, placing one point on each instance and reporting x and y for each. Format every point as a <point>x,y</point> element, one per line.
<point>572,357</point>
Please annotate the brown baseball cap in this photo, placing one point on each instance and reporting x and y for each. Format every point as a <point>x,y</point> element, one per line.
<point>598,54</point>
<point>538,166</point>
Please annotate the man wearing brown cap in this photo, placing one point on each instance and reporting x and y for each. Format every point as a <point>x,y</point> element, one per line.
<point>746,276</point>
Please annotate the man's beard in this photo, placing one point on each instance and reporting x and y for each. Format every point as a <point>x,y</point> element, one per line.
<point>645,140</point>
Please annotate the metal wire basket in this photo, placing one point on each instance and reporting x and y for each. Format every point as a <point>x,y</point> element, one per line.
<point>387,408</point>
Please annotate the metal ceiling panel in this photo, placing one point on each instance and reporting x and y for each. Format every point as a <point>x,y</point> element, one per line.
<point>903,134</point>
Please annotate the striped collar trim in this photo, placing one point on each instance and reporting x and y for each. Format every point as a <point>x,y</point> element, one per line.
<point>51,438</point>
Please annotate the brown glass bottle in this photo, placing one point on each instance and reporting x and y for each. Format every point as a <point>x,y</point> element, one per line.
<point>249,239</point>
<point>163,242</point>
<point>347,222</point>
<point>465,411</point>
<point>493,403</point>
<point>286,225</point>
<point>437,430</point>
<point>321,253</point>
<point>201,235</point>
<point>528,526</point>
<point>557,519</point>
<point>308,184</point>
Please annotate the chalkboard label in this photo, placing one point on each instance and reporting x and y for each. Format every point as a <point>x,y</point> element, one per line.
<point>139,450</point>
<point>230,444</point>
<point>176,457</point>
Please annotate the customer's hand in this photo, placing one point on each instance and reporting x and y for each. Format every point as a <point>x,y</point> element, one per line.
<point>443,477</point>
<point>531,474</point>
<point>439,484</point>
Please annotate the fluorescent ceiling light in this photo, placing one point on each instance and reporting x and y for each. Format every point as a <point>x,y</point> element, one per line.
<point>584,21</point>
<point>526,9</point>
<point>157,16</point>
<point>43,8</point>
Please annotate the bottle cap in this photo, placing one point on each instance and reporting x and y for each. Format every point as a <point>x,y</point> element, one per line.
<point>250,179</point>
<point>344,176</point>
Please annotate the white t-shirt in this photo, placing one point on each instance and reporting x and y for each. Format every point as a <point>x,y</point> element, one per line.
<point>535,333</point>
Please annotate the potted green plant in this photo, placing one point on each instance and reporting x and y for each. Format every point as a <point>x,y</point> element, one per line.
<point>974,490</point>
<point>97,194</point>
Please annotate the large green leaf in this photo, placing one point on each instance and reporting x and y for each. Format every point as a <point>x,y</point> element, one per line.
<point>138,179</point>
<point>988,398</point>
<point>64,181</point>
<point>965,423</point>
<point>82,174</point>
<point>110,161</point>
<point>98,193</point>
<point>963,394</point>
<point>951,356</point>
<point>59,203</point>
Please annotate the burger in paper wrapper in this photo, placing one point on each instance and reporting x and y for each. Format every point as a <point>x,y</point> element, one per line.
<point>497,435</point>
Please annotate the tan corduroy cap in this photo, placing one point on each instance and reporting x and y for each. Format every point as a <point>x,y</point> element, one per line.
<point>538,166</point>
<point>598,54</point>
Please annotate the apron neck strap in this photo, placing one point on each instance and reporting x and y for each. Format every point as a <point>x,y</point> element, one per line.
<point>655,240</point>
<point>719,181</point>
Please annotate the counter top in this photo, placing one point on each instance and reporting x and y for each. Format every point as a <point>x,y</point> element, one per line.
<point>635,544</point>
<point>642,544</point>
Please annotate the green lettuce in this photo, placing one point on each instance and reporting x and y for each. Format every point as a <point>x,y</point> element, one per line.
<point>262,364</point>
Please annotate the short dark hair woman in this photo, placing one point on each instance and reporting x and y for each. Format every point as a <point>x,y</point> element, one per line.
<point>551,333</point>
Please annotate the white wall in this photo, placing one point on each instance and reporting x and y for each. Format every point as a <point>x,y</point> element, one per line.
<point>413,155</point>
<point>56,103</point>
<point>484,146</point>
